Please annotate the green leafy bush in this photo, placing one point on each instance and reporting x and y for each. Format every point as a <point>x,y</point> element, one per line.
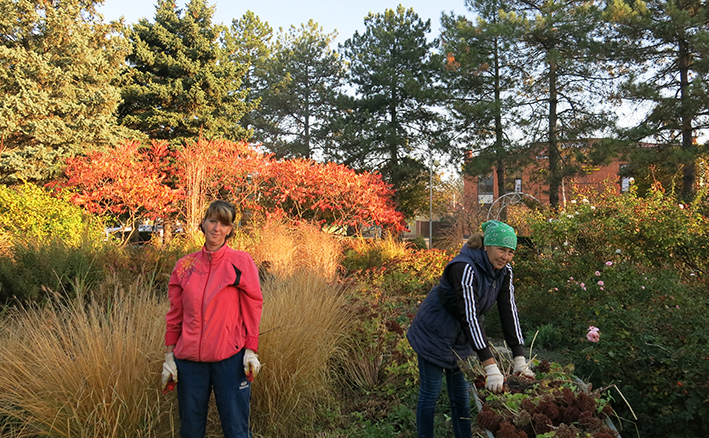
<point>633,267</point>
<point>35,270</point>
<point>32,213</point>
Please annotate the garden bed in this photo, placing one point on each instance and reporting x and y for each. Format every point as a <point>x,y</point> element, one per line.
<point>554,404</point>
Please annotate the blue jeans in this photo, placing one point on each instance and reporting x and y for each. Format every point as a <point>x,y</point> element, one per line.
<point>232,392</point>
<point>431,381</point>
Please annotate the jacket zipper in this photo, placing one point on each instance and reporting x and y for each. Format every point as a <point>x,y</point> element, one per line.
<point>204,296</point>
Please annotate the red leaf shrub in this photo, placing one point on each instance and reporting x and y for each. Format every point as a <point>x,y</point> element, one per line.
<point>137,181</point>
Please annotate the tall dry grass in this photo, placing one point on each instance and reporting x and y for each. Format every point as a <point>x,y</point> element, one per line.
<point>289,249</point>
<point>305,321</point>
<point>85,368</point>
<point>90,367</point>
<point>303,326</point>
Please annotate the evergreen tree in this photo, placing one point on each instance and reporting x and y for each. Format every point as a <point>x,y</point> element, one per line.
<point>59,63</point>
<point>667,43</point>
<point>180,83</point>
<point>567,73</point>
<point>298,92</point>
<point>392,124</point>
<point>248,43</point>
<point>481,74</point>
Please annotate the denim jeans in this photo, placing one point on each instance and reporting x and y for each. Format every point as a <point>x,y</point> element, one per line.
<point>232,393</point>
<point>431,381</point>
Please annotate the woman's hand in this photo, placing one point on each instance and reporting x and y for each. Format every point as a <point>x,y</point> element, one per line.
<point>169,370</point>
<point>522,367</point>
<point>251,364</point>
<point>494,381</point>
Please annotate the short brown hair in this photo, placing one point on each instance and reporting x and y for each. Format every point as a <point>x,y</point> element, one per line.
<point>223,211</point>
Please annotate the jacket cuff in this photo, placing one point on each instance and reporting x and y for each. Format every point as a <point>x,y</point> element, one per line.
<point>252,343</point>
<point>171,338</point>
<point>517,350</point>
<point>484,354</point>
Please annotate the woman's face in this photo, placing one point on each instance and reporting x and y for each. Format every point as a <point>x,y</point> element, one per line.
<point>499,256</point>
<point>215,233</point>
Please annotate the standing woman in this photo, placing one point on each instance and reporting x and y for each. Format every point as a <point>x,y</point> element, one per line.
<point>449,325</point>
<point>213,329</point>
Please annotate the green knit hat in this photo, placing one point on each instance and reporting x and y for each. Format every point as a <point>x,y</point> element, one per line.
<point>499,234</point>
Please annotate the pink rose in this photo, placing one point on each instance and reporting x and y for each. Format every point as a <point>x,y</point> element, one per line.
<point>593,334</point>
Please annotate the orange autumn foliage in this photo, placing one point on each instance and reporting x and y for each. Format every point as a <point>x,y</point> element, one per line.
<point>132,179</point>
<point>127,180</point>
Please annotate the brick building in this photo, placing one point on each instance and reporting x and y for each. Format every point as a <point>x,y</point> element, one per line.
<point>483,189</point>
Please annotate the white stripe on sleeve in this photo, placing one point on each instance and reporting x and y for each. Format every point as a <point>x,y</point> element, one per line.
<point>470,308</point>
<point>513,306</point>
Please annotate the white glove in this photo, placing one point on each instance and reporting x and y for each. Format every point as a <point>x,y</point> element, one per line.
<point>494,380</point>
<point>169,369</point>
<point>251,363</point>
<point>522,367</point>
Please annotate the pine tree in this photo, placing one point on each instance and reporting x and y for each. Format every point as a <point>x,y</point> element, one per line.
<point>180,83</point>
<point>392,122</point>
<point>667,44</point>
<point>567,73</point>
<point>298,91</point>
<point>59,63</point>
<point>481,74</point>
<point>248,43</point>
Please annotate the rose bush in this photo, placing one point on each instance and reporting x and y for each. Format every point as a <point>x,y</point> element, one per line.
<point>635,267</point>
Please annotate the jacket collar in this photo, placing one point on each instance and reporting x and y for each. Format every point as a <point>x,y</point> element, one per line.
<point>481,260</point>
<point>215,255</point>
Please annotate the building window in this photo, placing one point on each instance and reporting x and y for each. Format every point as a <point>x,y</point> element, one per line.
<point>486,189</point>
<point>518,185</point>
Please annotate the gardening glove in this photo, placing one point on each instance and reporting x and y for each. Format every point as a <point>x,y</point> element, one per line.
<point>494,380</point>
<point>251,364</point>
<point>169,371</point>
<point>522,367</point>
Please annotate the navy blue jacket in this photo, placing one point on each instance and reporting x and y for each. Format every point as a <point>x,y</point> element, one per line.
<point>449,325</point>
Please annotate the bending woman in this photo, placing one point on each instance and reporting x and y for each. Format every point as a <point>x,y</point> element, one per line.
<point>449,325</point>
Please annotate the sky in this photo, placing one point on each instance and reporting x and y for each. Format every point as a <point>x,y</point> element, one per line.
<point>345,17</point>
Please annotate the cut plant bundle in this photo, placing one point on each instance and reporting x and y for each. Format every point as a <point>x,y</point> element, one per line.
<point>554,404</point>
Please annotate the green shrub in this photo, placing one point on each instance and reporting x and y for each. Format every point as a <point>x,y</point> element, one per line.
<point>49,244</point>
<point>32,213</point>
<point>634,268</point>
<point>411,274</point>
<point>547,336</point>
<point>36,269</point>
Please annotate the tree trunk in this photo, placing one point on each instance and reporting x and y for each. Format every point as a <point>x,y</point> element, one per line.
<point>553,147</point>
<point>686,114</point>
<point>499,144</point>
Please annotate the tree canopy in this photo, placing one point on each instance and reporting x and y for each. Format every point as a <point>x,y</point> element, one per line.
<point>59,65</point>
<point>298,91</point>
<point>179,82</point>
<point>391,122</point>
<point>665,45</point>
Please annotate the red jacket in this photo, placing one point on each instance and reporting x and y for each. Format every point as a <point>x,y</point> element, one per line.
<point>215,305</point>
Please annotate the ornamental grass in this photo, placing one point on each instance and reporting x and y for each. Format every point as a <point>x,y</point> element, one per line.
<point>85,367</point>
<point>89,365</point>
